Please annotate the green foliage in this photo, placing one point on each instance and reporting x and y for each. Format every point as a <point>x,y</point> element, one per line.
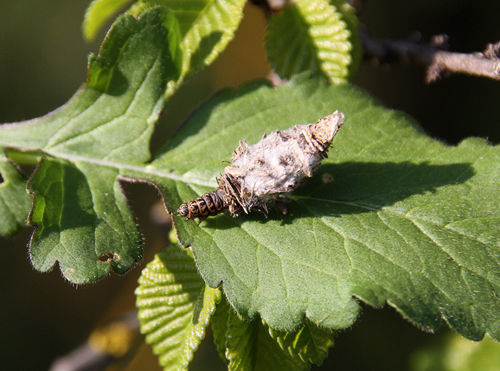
<point>252,345</point>
<point>458,354</point>
<point>82,218</point>
<point>309,35</point>
<point>83,221</point>
<point>15,203</point>
<point>350,18</point>
<point>99,12</point>
<point>391,216</point>
<point>220,321</point>
<point>175,306</point>
<point>206,26</point>
<point>249,346</point>
<point>310,342</point>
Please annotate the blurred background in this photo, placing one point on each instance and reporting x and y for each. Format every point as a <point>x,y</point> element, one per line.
<point>43,61</point>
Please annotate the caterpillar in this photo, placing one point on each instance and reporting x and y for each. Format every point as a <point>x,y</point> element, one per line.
<point>263,173</point>
<point>209,204</point>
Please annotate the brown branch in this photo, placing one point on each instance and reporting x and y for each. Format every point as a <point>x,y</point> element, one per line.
<point>109,344</point>
<point>439,62</point>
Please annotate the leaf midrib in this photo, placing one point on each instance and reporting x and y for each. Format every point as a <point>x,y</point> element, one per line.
<point>147,169</point>
<point>124,113</point>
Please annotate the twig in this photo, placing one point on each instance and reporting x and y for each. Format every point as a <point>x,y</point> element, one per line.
<point>440,63</point>
<point>112,343</point>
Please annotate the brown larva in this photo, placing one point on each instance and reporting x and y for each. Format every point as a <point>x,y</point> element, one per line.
<point>261,173</point>
<point>209,204</point>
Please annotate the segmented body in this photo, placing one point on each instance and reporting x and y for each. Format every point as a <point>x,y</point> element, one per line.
<point>209,204</point>
<point>265,172</point>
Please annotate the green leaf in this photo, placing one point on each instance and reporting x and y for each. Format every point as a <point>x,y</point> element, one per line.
<point>15,203</point>
<point>99,12</point>
<point>350,18</point>
<point>458,354</point>
<point>83,221</point>
<point>220,321</point>
<point>175,306</point>
<point>310,342</point>
<point>112,116</point>
<point>391,216</point>
<point>251,347</point>
<point>206,27</point>
<point>309,35</point>
<point>81,214</point>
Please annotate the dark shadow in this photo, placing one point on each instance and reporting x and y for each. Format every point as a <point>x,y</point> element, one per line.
<point>118,83</point>
<point>200,117</point>
<point>204,49</point>
<point>107,79</point>
<point>190,93</point>
<point>194,92</point>
<point>112,70</point>
<point>357,187</point>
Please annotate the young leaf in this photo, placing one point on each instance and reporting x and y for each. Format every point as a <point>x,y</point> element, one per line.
<point>310,342</point>
<point>391,216</point>
<point>15,202</point>
<point>99,12</point>
<point>206,28</point>
<point>81,214</point>
<point>220,321</point>
<point>175,306</point>
<point>350,18</point>
<point>309,35</point>
<point>251,347</point>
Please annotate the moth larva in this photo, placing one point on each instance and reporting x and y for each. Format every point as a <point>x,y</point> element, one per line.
<point>259,174</point>
<point>209,204</point>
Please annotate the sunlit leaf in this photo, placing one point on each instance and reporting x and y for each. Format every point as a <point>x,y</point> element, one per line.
<point>81,214</point>
<point>175,306</point>
<point>99,12</point>
<point>310,35</point>
<point>391,216</point>
<point>251,347</point>
<point>206,28</point>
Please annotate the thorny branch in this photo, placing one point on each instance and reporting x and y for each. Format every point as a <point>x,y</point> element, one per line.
<point>440,63</point>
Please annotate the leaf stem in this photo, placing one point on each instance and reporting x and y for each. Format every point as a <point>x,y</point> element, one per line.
<point>23,157</point>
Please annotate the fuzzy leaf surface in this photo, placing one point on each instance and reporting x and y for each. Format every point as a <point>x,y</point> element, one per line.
<point>206,27</point>
<point>81,214</point>
<point>15,202</point>
<point>310,343</point>
<point>239,340</point>
<point>391,216</point>
<point>310,35</point>
<point>250,347</point>
<point>175,306</point>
